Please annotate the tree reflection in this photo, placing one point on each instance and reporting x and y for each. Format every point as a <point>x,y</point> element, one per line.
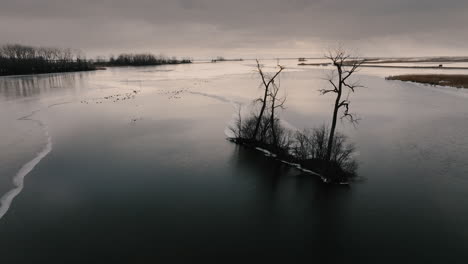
<point>34,85</point>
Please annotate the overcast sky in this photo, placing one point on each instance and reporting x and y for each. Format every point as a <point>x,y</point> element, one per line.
<point>240,28</point>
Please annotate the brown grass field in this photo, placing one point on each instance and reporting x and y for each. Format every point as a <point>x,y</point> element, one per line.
<point>452,80</point>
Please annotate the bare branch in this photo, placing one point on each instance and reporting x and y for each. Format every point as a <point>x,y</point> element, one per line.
<point>352,86</point>
<point>260,71</point>
<point>324,91</point>
<point>350,116</point>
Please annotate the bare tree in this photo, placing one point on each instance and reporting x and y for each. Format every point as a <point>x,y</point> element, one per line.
<point>276,102</point>
<point>267,80</point>
<point>345,66</point>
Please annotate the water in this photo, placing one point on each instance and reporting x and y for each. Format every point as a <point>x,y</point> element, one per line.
<point>151,176</point>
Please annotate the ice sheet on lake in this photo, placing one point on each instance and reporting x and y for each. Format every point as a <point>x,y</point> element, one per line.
<point>18,179</point>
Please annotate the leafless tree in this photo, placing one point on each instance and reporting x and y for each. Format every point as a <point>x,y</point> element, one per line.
<point>345,66</point>
<point>276,102</point>
<point>267,81</point>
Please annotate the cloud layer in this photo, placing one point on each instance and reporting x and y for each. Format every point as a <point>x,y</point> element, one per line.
<point>249,28</point>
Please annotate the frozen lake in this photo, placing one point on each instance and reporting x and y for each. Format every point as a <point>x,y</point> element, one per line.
<point>131,164</point>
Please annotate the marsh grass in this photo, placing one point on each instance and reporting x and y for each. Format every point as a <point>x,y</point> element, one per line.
<point>452,80</point>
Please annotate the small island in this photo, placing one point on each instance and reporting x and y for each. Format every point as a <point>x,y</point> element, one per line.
<point>322,151</point>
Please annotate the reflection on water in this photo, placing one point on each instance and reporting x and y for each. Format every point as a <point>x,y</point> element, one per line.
<point>32,85</point>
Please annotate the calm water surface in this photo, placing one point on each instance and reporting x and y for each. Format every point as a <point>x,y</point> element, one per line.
<point>150,176</point>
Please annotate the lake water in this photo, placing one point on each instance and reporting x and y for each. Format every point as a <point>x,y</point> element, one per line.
<point>132,165</point>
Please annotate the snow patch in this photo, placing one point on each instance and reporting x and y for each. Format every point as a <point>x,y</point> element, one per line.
<point>295,165</point>
<point>266,152</point>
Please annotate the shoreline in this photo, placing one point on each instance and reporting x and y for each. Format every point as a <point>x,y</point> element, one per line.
<point>97,68</point>
<point>289,161</point>
<point>458,81</point>
<point>45,73</point>
<point>391,66</point>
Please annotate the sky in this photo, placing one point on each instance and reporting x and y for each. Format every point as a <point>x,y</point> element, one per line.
<point>240,28</point>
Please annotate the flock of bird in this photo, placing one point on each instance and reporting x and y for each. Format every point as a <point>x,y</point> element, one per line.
<point>127,96</point>
<point>173,94</point>
<point>114,98</point>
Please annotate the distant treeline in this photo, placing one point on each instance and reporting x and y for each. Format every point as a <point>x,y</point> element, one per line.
<point>220,58</point>
<point>141,59</point>
<point>20,59</point>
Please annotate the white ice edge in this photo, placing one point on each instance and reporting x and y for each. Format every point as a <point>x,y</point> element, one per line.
<point>18,180</point>
<point>266,152</point>
<point>295,165</point>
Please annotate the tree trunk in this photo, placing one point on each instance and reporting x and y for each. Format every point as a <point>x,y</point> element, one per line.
<point>272,121</point>
<point>335,115</point>
<point>262,110</point>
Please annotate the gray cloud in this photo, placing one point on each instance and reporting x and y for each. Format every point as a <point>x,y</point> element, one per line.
<point>204,28</point>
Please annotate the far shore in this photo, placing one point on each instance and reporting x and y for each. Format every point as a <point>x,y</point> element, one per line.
<point>415,67</point>
<point>18,59</point>
<point>391,66</point>
<point>451,80</point>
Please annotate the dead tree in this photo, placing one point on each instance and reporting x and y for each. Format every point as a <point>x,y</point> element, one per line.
<point>345,66</point>
<point>275,103</point>
<point>267,80</point>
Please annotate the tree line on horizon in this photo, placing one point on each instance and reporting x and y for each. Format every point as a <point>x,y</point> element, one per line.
<point>141,59</point>
<point>22,59</point>
<point>16,59</point>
